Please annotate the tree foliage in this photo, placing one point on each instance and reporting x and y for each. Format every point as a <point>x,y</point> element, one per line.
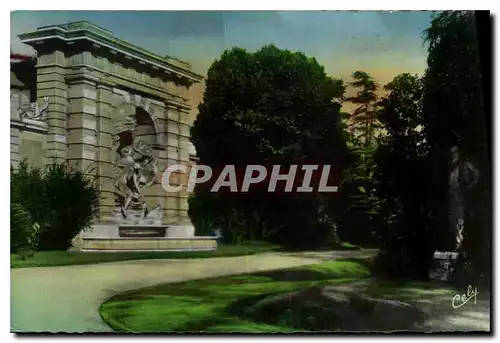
<point>21,228</point>
<point>60,203</point>
<point>454,116</point>
<point>424,119</point>
<point>407,247</point>
<point>363,121</point>
<point>359,221</point>
<point>269,107</point>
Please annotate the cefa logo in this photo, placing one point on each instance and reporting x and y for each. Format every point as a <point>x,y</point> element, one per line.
<point>276,178</point>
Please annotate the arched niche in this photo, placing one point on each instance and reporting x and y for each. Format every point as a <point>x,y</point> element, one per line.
<point>131,121</point>
<point>136,136</point>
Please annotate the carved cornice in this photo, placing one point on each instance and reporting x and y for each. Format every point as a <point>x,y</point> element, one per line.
<point>30,125</point>
<point>77,72</point>
<point>104,39</point>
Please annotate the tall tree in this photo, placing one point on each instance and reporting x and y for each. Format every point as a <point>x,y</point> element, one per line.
<point>360,203</point>
<point>269,107</point>
<point>454,117</point>
<point>401,163</point>
<point>364,118</point>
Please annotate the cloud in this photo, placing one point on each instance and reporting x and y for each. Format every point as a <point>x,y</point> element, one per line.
<point>27,21</point>
<point>19,24</point>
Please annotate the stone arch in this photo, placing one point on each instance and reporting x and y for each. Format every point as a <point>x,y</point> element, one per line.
<point>136,119</point>
<point>136,134</point>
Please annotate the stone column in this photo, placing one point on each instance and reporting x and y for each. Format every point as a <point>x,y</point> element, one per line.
<point>157,109</point>
<point>172,138</point>
<point>51,83</point>
<point>82,123</point>
<point>184,158</point>
<point>15,141</point>
<point>104,153</point>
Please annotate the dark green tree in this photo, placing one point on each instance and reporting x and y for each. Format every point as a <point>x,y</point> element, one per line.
<point>269,107</point>
<point>360,218</point>
<point>363,121</point>
<point>408,247</point>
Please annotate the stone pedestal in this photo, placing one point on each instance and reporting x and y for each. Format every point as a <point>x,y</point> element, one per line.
<point>107,238</point>
<point>444,265</point>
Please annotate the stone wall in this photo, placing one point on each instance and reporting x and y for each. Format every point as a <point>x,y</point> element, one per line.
<point>27,136</point>
<point>33,147</point>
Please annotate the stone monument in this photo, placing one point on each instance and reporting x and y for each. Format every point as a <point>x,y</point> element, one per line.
<point>118,113</point>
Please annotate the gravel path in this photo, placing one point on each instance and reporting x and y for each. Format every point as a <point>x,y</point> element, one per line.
<point>66,299</point>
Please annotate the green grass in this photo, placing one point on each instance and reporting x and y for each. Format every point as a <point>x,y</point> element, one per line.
<point>214,305</point>
<point>64,258</point>
<point>349,246</point>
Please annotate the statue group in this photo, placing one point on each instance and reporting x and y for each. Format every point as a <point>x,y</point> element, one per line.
<point>138,170</point>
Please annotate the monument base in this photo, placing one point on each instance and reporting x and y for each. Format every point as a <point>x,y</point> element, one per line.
<point>444,265</point>
<point>135,232</point>
<point>127,244</point>
<point>128,237</point>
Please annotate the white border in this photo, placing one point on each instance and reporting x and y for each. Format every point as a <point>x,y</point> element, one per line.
<point>358,5</point>
<point>202,5</point>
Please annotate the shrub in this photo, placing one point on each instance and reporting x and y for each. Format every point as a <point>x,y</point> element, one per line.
<point>27,188</point>
<point>60,200</point>
<point>20,226</point>
<point>73,199</point>
<point>201,214</point>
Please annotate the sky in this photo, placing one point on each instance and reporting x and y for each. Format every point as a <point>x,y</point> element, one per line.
<point>383,44</point>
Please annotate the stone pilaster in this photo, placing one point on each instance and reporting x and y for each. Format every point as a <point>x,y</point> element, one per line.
<point>82,124</point>
<point>105,156</point>
<point>183,149</point>
<point>158,110</point>
<point>51,84</point>
<point>15,142</point>
<point>172,137</point>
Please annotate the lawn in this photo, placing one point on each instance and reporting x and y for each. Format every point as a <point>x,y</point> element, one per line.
<point>215,305</point>
<point>64,258</point>
<point>348,246</point>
